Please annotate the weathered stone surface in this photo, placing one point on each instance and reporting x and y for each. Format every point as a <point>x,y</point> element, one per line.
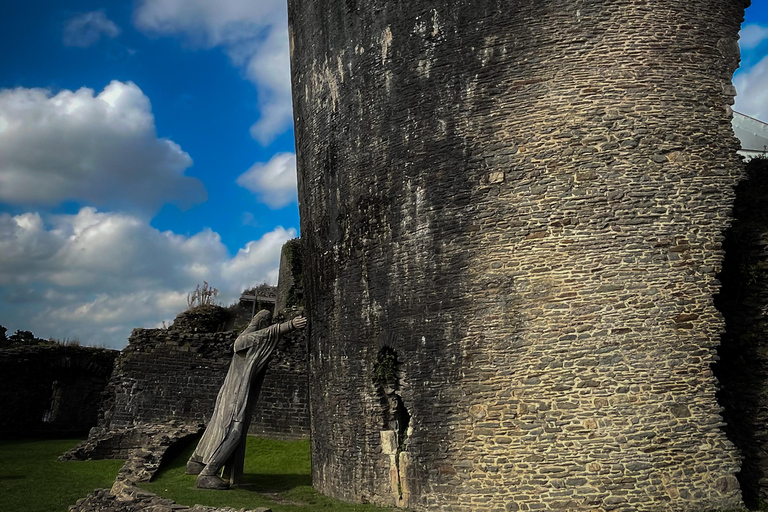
<point>52,389</point>
<point>202,319</point>
<point>103,500</point>
<point>526,201</point>
<point>290,287</point>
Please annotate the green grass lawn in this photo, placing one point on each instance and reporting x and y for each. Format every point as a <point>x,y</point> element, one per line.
<point>32,480</point>
<point>276,475</point>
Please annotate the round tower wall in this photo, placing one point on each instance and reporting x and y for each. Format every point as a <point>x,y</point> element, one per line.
<point>524,203</point>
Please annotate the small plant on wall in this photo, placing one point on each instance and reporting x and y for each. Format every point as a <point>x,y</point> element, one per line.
<point>202,296</point>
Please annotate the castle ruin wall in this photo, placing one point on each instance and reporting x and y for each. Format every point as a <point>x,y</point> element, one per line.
<point>52,390</point>
<point>164,375</point>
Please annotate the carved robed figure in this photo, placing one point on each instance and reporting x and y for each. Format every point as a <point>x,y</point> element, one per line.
<point>223,443</point>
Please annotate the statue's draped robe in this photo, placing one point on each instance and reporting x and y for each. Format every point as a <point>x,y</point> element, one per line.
<point>240,390</point>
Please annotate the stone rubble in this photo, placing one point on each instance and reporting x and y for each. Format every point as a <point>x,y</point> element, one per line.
<point>141,465</point>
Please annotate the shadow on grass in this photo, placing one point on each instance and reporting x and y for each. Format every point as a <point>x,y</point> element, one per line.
<point>276,475</point>
<point>259,479</point>
<point>273,483</point>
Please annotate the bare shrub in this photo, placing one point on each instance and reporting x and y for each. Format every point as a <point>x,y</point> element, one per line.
<point>202,296</point>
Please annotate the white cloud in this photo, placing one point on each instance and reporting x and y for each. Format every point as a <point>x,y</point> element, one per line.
<point>87,28</point>
<point>269,68</point>
<point>274,182</point>
<point>101,149</point>
<point>94,276</point>
<point>254,35</point>
<point>752,36</point>
<point>212,23</point>
<point>752,87</point>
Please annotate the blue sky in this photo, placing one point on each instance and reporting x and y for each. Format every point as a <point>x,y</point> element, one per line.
<point>751,79</point>
<point>146,147</point>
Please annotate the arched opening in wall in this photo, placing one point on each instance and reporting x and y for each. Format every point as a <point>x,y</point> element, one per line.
<point>395,419</point>
<point>742,369</point>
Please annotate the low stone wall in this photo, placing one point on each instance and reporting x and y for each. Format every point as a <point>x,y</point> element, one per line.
<point>52,390</point>
<point>123,443</point>
<point>102,500</point>
<point>162,375</point>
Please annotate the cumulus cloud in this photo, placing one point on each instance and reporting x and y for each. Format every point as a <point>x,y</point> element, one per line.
<point>752,91</point>
<point>273,182</point>
<point>269,69</point>
<point>101,149</point>
<point>254,35</point>
<point>752,36</point>
<point>94,276</point>
<point>87,28</point>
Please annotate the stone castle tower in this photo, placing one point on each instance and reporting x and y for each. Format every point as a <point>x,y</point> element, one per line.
<point>514,211</point>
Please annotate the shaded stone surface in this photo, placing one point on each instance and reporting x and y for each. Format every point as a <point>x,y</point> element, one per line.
<point>743,300</point>
<point>525,201</point>
<point>52,390</point>
<point>123,443</point>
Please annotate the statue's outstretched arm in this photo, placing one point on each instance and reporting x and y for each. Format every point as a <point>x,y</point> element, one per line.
<point>247,340</point>
<point>297,323</point>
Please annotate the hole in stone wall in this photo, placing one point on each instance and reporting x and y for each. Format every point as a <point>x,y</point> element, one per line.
<point>394,415</point>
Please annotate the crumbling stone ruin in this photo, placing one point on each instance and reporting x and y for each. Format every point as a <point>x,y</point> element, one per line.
<point>175,374</point>
<point>172,376</point>
<point>159,442</point>
<point>525,202</point>
<point>164,387</point>
<point>51,390</point>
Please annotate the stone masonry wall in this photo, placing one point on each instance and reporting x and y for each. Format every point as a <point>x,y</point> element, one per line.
<point>514,212</point>
<point>164,375</point>
<point>51,389</point>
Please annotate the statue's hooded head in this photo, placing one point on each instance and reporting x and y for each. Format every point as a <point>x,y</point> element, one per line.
<point>262,320</point>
